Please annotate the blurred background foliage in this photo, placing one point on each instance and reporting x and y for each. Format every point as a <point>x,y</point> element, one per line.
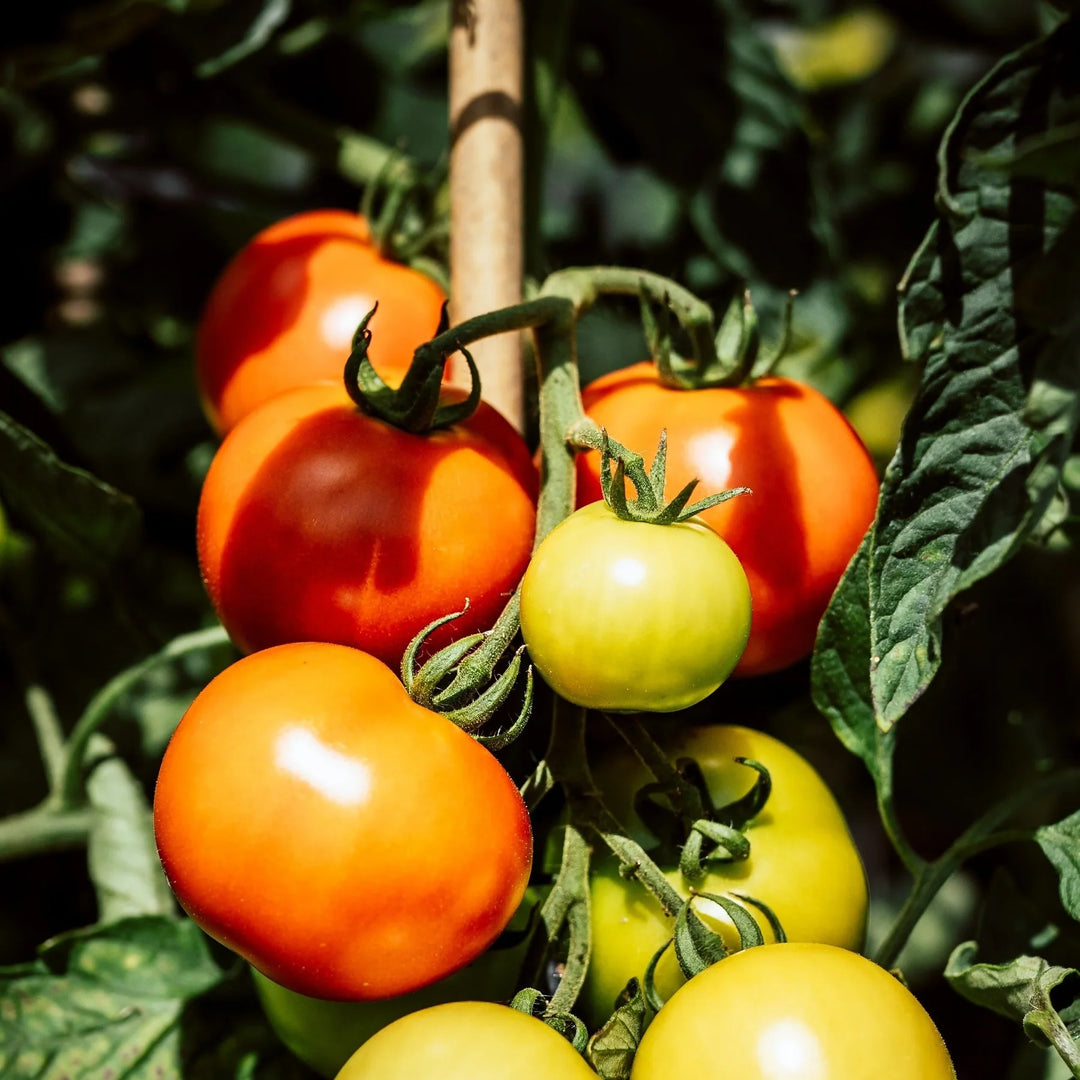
<point>767,144</point>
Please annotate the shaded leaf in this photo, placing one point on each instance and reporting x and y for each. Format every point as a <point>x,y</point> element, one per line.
<point>82,519</point>
<point>104,1002</point>
<point>122,856</point>
<point>1061,845</point>
<point>1027,989</point>
<point>611,1050</point>
<point>270,16</point>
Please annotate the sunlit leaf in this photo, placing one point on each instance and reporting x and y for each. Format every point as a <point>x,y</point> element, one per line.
<point>984,443</point>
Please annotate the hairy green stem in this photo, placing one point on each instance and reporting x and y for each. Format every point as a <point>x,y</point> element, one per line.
<point>105,700</point>
<point>552,316</point>
<point>569,766</point>
<point>685,796</point>
<point>50,733</point>
<point>43,829</point>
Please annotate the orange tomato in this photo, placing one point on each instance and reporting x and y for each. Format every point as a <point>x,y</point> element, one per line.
<point>284,311</point>
<point>814,488</point>
<point>345,841</point>
<point>320,523</point>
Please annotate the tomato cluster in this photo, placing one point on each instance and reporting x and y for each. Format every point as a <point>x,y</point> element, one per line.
<point>350,843</point>
<point>362,851</point>
<point>814,488</point>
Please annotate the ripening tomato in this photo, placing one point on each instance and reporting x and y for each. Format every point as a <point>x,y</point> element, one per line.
<point>345,841</point>
<point>467,1040</point>
<point>796,1011</point>
<point>626,615</point>
<point>814,488</point>
<point>320,523</point>
<point>803,862</point>
<point>324,1034</point>
<point>284,311</point>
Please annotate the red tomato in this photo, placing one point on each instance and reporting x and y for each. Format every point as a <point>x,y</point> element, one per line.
<point>283,313</point>
<point>814,488</point>
<point>319,523</point>
<point>345,841</point>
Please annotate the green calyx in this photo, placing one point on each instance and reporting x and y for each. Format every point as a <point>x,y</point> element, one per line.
<point>737,358</point>
<point>617,464</point>
<point>416,405</point>
<point>699,832</point>
<point>401,207</point>
<point>485,698</point>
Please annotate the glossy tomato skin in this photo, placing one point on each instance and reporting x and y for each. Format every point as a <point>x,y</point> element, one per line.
<point>319,523</point>
<point>799,1011</point>
<point>284,311</point>
<point>324,1034</point>
<point>467,1040</point>
<point>345,841</point>
<point>623,615</point>
<point>814,487</point>
<point>803,862</point>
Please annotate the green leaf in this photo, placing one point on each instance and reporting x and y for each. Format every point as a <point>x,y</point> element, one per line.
<point>104,1002</point>
<point>85,31</point>
<point>269,18</point>
<point>611,1050</point>
<point>840,682</point>
<point>1027,989</point>
<point>982,450</point>
<point>82,519</point>
<point>1061,845</point>
<point>123,860</point>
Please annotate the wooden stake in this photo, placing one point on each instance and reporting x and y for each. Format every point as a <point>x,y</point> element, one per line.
<point>486,156</point>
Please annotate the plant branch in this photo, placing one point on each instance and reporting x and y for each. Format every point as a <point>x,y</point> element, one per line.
<point>43,829</point>
<point>106,699</point>
<point>980,836</point>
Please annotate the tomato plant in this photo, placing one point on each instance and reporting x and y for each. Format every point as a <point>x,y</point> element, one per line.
<point>284,310</point>
<point>626,615</point>
<point>814,488</point>
<point>299,824</point>
<point>803,862</point>
<point>800,1011</point>
<point>320,523</point>
<point>467,1040</point>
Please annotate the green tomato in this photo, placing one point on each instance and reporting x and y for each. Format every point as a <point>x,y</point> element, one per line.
<point>798,1011</point>
<point>467,1040</point>
<point>803,863</point>
<point>627,616</point>
<point>324,1034</point>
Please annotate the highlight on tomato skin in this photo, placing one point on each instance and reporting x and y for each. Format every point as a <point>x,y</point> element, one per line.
<point>283,312</point>
<point>345,841</point>
<point>815,488</point>
<point>626,615</point>
<point>319,523</point>
<point>796,1010</point>
<point>467,1040</point>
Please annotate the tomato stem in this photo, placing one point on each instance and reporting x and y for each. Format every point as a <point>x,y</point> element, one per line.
<point>685,797</point>
<point>569,766</point>
<point>979,837</point>
<point>106,699</point>
<point>43,829</point>
<point>552,316</point>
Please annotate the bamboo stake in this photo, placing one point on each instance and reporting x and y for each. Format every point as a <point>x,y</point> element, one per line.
<point>486,157</point>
